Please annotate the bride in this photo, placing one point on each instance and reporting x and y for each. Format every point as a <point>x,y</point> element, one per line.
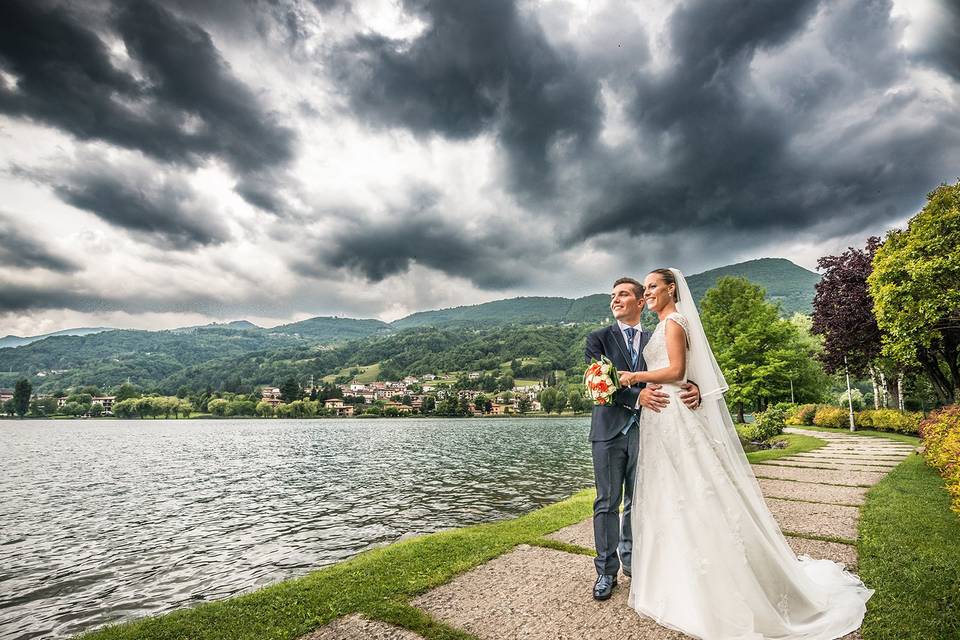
<point>708,558</point>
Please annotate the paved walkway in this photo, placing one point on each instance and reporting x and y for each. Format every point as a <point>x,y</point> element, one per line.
<point>536,593</point>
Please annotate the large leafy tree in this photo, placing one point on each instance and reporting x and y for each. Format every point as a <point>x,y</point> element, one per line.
<point>760,354</point>
<point>915,286</point>
<point>843,310</point>
<point>843,315</point>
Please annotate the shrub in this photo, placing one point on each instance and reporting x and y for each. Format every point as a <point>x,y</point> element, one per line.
<point>802,415</point>
<point>770,423</point>
<point>857,397</point>
<point>941,440</point>
<point>831,417</point>
<point>889,420</point>
<point>747,433</point>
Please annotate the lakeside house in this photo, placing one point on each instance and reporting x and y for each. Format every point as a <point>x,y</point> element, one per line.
<point>338,408</point>
<point>6,394</point>
<point>271,395</point>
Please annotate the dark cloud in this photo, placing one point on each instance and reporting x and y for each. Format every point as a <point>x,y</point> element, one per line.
<point>734,160</point>
<point>21,251</point>
<point>163,210</point>
<point>477,67</point>
<point>942,48</point>
<point>181,104</point>
<point>378,249</point>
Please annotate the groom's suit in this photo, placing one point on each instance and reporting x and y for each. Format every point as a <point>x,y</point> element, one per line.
<point>615,452</point>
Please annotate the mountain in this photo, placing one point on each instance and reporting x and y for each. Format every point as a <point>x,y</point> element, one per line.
<point>331,329</point>
<point>784,282</point>
<point>8,342</point>
<point>241,352</point>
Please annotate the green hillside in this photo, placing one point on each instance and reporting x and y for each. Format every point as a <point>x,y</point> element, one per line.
<point>784,282</point>
<point>242,353</point>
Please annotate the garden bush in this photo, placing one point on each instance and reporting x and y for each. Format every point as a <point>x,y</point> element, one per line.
<point>802,415</point>
<point>770,423</point>
<point>827,416</point>
<point>889,420</point>
<point>941,447</point>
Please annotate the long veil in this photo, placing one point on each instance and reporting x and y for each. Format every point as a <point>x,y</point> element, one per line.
<point>702,368</point>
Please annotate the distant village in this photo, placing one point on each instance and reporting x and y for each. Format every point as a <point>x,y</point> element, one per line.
<point>424,395</point>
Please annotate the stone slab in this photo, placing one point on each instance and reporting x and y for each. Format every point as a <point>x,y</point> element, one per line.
<point>844,554</point>
<point>814,518</point>
<point>827,493</point>
<point>821,476</point>
<point>582,534</point>
<point>832,466</point>
<point>532,593</point>
<point>357,627</point>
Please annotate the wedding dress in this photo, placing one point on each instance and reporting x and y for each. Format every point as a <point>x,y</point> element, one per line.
<point>708,558</point>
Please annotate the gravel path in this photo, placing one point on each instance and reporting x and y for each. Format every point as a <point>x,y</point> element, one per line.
<point>536,593</point>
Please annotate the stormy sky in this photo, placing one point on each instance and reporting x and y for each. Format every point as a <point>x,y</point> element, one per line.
<point>174,162</point>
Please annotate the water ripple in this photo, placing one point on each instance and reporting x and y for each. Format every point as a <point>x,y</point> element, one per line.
<point>103,522</point>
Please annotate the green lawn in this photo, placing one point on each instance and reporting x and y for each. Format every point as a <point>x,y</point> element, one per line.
<point>899,437</point>
<point>377,583</point>
<point>909,549</point>
<point>795,444</point>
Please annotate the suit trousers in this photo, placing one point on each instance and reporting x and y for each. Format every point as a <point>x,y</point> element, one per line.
<point>615,473</point>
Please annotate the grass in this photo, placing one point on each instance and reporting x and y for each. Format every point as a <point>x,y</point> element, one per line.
<point>890,435</point>
<point>377,583</point>
<point>795,444</point>
<point>909,550</point>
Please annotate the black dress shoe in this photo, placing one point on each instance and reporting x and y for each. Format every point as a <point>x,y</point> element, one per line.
<point>603,587</point>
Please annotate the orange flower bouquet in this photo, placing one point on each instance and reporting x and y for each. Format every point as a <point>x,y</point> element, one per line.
<point>602,381</point>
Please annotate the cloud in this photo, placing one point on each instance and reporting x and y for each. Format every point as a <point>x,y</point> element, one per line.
<point>162,209</point>
<point>21,251</point>
<point>162,89</point>
<point>776,120</point>
<point>418,234</point>
<point>476,67</point>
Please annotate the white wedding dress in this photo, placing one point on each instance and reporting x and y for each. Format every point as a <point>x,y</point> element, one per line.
<point>708,558</point>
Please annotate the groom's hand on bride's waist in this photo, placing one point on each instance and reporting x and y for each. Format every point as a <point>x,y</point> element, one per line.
<point>690,395</point>
<point>652,398</point>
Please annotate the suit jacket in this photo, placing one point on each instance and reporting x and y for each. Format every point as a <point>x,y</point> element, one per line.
<point>608,421</point>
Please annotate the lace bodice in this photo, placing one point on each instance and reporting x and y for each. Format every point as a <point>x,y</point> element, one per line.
<point>655,353</point>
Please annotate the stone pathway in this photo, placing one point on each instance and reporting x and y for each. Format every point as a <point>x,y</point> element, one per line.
<point>536,593</point>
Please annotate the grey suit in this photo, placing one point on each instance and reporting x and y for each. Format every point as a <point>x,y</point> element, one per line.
<point>614,453</point>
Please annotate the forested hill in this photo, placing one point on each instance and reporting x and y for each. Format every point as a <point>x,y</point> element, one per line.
<point>212,354</point>
<point>784,282</point>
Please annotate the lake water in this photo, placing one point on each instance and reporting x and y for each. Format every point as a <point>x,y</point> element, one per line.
<point>106,521</point>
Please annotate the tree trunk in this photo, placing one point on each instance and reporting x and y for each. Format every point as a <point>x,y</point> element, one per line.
<point>900,390</point>
<point>876,388</point>
<point>946,392</point>
<point>740,418</point>
<point>883,391</point>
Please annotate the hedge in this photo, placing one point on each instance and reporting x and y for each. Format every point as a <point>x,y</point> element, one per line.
<point>941,447</point>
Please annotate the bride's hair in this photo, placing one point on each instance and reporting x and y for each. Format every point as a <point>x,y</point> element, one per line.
<point>669,278</point>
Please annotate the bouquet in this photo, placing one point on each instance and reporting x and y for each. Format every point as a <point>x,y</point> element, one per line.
<point>602,380</point>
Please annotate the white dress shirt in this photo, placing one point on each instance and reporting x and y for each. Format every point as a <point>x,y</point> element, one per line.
<point>636,344</point>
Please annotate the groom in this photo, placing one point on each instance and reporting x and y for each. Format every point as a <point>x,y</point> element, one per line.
<point>615,433</point>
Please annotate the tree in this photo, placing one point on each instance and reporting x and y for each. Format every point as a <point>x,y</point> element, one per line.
<point>96,410</point>
<point>843,315</point>
<point>560,403</point>
<point>577,402</point>
<point>290,390</point>
<point>523,405</point>
<point>21,397</point>
<point>915,286</point>
<point>126,391</point>
<point>758,351</point>
<point>548,399</point>
<point>429,404</point>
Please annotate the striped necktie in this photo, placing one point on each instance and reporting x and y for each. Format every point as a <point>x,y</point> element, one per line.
<point>631,332</point>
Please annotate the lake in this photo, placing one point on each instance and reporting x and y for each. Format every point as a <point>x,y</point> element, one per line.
<point>106,521</point>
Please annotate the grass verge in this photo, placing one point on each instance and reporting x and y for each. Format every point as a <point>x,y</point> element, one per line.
<point>890,435</point>
<point>908,548</point>
<point>378,583</point>
<point>795,444</point>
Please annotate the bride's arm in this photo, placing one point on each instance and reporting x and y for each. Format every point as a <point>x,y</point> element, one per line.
<point>676,352</point>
